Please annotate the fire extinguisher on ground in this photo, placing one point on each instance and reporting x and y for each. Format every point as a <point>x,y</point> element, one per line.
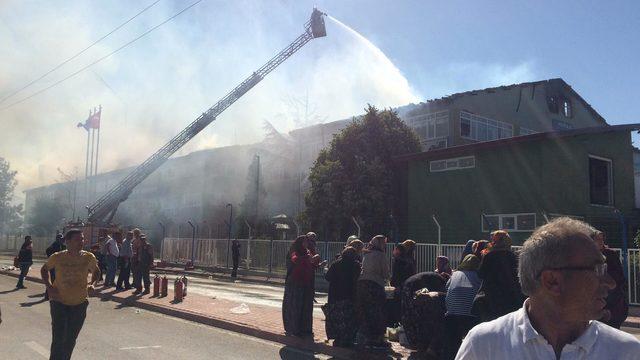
<point>156,286</point>
<point>184,285</point>
<point>165,286</point>
<point>178,288</point>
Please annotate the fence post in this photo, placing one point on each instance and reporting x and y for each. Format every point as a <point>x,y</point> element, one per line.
<point>270,256</point>
<point>439,234</point>
<point>193,242</point>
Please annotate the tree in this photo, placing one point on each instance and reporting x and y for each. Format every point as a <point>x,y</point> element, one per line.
<point>10,214</point>
<point>46,217</point>
<point>355,176</point>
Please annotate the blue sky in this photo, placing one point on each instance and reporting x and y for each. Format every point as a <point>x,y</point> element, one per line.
<point>154,88</point>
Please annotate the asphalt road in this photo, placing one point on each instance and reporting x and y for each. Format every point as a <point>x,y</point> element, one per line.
<point>239,291</point>
<point>115,332</point>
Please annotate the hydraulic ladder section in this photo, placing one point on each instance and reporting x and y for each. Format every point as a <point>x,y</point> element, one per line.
<point>103,210</point>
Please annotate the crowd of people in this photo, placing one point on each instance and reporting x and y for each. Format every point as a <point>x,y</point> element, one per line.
<point>496,304</point>
<point>434,312</point>
<point>65,277</point>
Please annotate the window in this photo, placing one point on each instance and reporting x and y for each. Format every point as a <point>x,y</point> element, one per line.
<point>566,108</point>
<point>600,181</point>
<point>511,222</point>
<point>525,131</point>
<point>478,128</point>
<point>430,126</point>
<point>467,162</point>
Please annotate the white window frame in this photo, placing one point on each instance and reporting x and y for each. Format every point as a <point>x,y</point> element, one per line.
<point>451,160</point>
<point>526,131</point>
<point>475,121</point>
<point>611,192</point>
<point>427,121</point>
<point>515,222</point>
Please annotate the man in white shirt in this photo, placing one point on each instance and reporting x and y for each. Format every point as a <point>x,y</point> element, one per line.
<point>565,277</point>
<point>111,258</point>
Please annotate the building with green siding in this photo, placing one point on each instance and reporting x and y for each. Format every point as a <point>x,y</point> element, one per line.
<point>520,182</point>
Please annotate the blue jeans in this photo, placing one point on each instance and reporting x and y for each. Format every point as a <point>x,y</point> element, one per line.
<point>112,262</point>
<point>24,269</point>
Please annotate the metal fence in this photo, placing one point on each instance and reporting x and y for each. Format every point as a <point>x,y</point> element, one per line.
<point>270,256</point>
<point>12,243</point>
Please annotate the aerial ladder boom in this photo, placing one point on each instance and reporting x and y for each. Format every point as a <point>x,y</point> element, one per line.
<point>103,210</point>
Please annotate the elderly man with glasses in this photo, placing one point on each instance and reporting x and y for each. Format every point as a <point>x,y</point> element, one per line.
<point>565,276</point>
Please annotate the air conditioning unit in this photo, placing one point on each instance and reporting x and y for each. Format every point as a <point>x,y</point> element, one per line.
<point>434,144</point>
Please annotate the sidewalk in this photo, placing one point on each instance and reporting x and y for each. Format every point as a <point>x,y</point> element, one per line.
<point>264,322</point>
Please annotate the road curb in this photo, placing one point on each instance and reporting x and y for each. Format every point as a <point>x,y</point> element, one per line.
<point>217,322</point>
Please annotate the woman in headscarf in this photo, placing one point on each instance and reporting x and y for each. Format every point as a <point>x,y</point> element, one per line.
<point>468,249</point>
<point>443,268</point>
<point>403,267</point>
<point>500,292</point>
<point>339,311</point>
<point>297,303</point>
<point>25,260</point>
<point>410,245</point>
<point>478,247</point>
<point>371,296</point>
<point>358,245</point>
<point>423,311</point>
<point>461,290</point>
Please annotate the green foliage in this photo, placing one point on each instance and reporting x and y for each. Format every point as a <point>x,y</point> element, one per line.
<point>10,214</point>
<point>47,216</point>
<point>356,175</point>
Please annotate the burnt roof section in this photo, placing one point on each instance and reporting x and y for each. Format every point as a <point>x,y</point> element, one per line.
<point>465,149</point>
<point>555,81</point>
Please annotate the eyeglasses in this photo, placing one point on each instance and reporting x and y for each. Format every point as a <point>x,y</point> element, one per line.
<point>600,269</point>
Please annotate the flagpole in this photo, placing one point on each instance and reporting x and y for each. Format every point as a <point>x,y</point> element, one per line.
<point>86,163</point>
<point>93,146</point>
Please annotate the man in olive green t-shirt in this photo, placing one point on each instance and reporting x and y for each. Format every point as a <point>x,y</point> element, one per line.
<point>68,293</point>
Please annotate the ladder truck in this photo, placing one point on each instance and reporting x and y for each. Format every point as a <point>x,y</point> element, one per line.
<point>102,211</point>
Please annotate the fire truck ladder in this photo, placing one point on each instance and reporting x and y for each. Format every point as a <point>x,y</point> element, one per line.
<point>104,209</point>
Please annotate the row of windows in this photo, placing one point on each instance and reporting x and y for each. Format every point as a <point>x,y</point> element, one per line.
<point>430,126</point>
<point>510,222</point>
<point>479,128</point>
<point>466,162</point>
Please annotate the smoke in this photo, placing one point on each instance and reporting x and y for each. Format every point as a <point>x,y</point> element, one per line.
<point>153,89</point>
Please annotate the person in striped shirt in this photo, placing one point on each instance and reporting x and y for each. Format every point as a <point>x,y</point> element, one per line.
<point>462,288</point>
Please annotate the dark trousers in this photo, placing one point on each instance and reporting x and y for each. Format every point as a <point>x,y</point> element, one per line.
<point>236,261</point>
<point>456,328</point>
<point>125,271</point>
<point>24,269</point>
<point>137,275</point>
<point>66,322</point>
<point>144,275</point>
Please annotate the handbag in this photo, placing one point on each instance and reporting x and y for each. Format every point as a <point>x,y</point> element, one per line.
<point>16,262</point>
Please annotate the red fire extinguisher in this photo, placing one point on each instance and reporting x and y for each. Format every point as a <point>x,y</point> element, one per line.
<point>165,286</point>
<point>178,288</point>
<point>184,284</point>
<point>156,286</point>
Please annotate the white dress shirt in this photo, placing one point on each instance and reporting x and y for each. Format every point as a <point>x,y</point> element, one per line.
<point>512,337</point>
<point>111,247</point>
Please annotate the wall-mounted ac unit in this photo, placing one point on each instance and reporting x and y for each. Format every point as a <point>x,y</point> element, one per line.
<point>434,144</point>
